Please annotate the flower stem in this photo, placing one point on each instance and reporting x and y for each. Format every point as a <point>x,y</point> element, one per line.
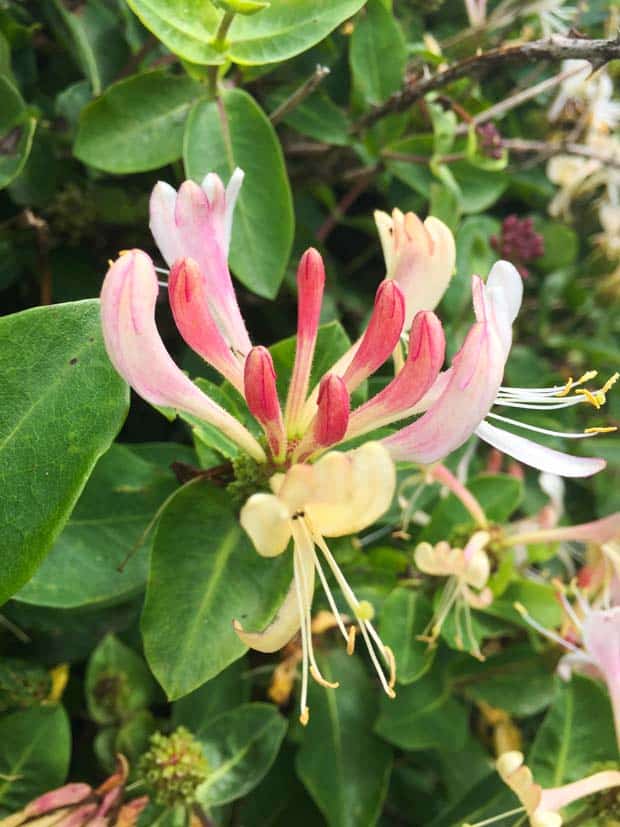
<point>447,478</point>
<point>218,42</point>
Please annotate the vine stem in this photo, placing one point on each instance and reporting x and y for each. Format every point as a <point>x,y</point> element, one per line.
<point>218,42</point>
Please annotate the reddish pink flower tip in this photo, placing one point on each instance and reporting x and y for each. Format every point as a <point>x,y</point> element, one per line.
<point>332,417</point>
<point>65,796</point>
<point>260,385</point>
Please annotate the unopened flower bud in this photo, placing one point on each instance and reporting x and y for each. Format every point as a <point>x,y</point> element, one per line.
<point>333,411</point>
<point>174,767</point>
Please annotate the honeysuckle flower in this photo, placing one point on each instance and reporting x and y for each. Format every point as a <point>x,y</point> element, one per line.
<point>78,805</point>
<point>306,506</point>
<point>192,229</point>
<point>468,571</point>
<point>542,805</point>
<point>590,91</point>
<point>598,655</point>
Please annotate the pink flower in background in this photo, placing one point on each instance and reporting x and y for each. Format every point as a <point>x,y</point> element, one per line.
<point>192,229</point>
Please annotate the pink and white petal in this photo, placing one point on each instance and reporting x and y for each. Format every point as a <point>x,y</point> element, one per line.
<point>421,369</point>
<point>222,202</point>
<point>538,456</point>
<point>577,662</point>
<point>128,299</point>
<point>162,224</point>
<point>555,798</point>
<point>474,380</point>
<point>287,621</point>
<point>188,296</point>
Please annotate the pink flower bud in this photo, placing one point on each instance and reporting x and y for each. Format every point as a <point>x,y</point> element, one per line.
<point>262,397</point>
<point>189,299</point>
<point>333,411</point>
<point>310,286</point>
<point>381,335</point>
<point>62,797</point>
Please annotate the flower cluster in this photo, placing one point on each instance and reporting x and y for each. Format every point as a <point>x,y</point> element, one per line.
<point>192,228</point>
<point>518,242</point>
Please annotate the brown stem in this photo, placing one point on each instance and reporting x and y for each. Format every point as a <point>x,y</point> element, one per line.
<point>41,228</point>
<point>556,48</point>
<point>299,95</point>
<point>345,203</point>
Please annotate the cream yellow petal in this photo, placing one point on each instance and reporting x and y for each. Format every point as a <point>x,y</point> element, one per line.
<point>266,520</point>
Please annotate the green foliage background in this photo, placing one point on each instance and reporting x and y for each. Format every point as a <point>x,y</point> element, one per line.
<point>99,99</point>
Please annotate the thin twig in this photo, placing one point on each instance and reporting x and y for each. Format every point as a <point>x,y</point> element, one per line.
<point>556,48</point>
<point>498,110</point>
<point>547,149</point>
<point>343,206</point>
<point>42,231</point>
<point>299,95</point>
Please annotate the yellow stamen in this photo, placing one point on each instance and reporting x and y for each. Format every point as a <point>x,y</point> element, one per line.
<point>365,610</point>
<point>592,398</point>
<point>304,717</point>
<point>322,681</point>
<point>351,640</point>
<point>610,383</point>
<point>567,387</point>
<point>600,430</point>
<point>110,262</point>
<point>586,377</point>
<point>123,252</point>
<point>521,609</point>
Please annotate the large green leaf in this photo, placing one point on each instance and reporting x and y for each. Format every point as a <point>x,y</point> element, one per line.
<point>378,53</point>
<point>61,404</point>
<point>236,132</point>
<point>204,574</point>
<point>137,124</point>
<point>16,132</point>
<point>127,487</point>
<point>284,29</point>
<point>222,693</point>
<point>577,733</point>
<point>35,747</point>
<point>240,746</point>
<point>344,767</point>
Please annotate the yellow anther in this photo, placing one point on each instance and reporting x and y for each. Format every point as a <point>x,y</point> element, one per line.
<point>123,252</point>
<point>389,656</point>
<point>351,640</point>
<point>322,681</point>
<point>586,377</point>
<point>60,676</point>
<point>365,610</point>
<point>567,387</point>
<point>521,609</point>
<point>608,430</point>
<point>592,398</point>
<point>110,262</point>
<point>304,717</point>
<point>610,383</point>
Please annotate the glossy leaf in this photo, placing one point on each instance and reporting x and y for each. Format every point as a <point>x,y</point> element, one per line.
<point>378,53</point>
<point>120,500</point>
<point>137,124</point>
<point>204,574</point>
<point>222,693</point>
<point>284,29</point>
<point>342,764</point>
<point>240,747</point>
<point>236,132</point>
<point>17,129</point>
<point>35,747</point>
<point>577,733</point>
<point>61,404</point>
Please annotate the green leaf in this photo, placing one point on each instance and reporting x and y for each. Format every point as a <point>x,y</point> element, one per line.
<point>317,116</point>
<point>118,682</point>
<point>406,614</point>
<point>120,500</point>
<point>35,747</point>
<point>500,679</point>
<point>286,28</point>
<point>204,574</point>
<point>577,733</point>
<point>222,693</point>
<point>137,124</point>
<point>378,53</point>
<point>240,746</point>
<point>342,764</point>
<point>538,598</point>
<point>561,245</point>
<point>424,715</point>
<point>498,494</point>
<point>480,188</point>
<point>154,815</point>
<point>236,132</point>
<point>62,405</point>
<point>16,132</point>
<point>23,683</point>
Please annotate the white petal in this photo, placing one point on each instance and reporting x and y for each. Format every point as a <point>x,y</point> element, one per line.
<point>266,520</point>
<point>539,456</point>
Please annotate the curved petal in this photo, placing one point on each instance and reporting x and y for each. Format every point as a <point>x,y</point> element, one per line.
<point>539,456</point>
<point>187,292</point>
<point>128,298</point>
<point>287,621</point>
<point>425,357</point>
<point>261,394</point>
<point>420,257</point>
<point>266,520</point>
<point>223,202</point>
<point>162,225</point>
